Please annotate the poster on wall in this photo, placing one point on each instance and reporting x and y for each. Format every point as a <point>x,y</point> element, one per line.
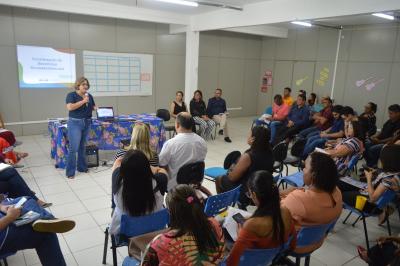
<point>266,81</point>
<point>118,74</point>
<point>369,83</point>
<point>323,77</point>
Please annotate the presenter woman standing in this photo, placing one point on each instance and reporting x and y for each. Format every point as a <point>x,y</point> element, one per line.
<point>80,105</point>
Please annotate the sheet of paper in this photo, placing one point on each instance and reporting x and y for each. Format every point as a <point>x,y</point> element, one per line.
<point>4,166</point>
<point>230,224</point>
<point>320,150</point>
<point>354,182</point>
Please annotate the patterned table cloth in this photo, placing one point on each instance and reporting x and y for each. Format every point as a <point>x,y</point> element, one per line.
<point>105,135</point>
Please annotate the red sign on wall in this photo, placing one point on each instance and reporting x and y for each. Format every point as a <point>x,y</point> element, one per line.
<point>266,81</point>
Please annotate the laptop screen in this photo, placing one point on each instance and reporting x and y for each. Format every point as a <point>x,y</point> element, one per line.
<point>105,112</point>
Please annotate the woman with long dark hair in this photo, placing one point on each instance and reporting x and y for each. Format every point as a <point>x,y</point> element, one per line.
<point>135,189</point>
<point>258,157</point>
<point>177,106</point>
<point>193,239</point>
<point>270,226</point>
<point>199,112</point>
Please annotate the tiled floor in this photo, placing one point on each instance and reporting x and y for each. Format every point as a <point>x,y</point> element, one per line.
<point>86,199</point>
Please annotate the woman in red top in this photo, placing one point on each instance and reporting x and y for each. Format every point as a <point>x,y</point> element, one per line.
<point>270,226</point>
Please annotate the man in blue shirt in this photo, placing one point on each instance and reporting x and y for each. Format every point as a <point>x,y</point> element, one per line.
<point>320,138</point>
<point>216,110</point>
<point>297,120</point>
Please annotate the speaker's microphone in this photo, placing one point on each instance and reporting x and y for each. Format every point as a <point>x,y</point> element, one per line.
<point>87,95</point>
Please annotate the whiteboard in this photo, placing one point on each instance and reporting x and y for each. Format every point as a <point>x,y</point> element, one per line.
<point>118,74</point>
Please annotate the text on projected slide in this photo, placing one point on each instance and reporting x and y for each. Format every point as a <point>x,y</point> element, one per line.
<point>118,74</point>
<point>45,67</point>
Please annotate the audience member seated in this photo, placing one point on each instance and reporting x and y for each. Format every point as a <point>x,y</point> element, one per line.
<point>303,92</point>
<point>346,148</point>
<point>193,239</point>
<point>140,140</point>
<point>270,226</point>
<point>374,144</point>
<point>216,110</point>
<point>334,132</point>
<point>258,157</point>
<point>396,138</point>
<point>13,184</point>
<point>178,105</point>
<point>320,202</point>
<point>7,134</point>
<point>185,147</point>
<point>198,111</point>
<point>369,121</point>
<point>7,151</point>
<point>287,99</point>
<point>321,120</point>
<point>280,112</point>
<point>297,120</point>
<point>39,236</point>
<point>389,178</point>
<point>385,252</point>
<point>138,188</point>
<point>312,100</point>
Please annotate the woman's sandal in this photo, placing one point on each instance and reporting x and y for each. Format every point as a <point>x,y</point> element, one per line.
<point>362,252</point>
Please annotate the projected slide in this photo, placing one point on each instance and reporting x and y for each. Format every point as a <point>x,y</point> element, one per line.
<point>118,74</point>
<point>45,67</point>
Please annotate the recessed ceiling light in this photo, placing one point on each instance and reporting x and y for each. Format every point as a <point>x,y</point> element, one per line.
<point>381,15</point>
<point>302,23</point>
<point>180,2</point>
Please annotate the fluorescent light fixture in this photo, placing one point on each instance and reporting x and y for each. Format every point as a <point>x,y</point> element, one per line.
<point>302,23</point>
<point>180,2</point>
<point>381,15</point>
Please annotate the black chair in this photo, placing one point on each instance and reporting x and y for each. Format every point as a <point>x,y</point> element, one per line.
<point>280,153</point>
<point>294,159</point>
<point>165,115</point>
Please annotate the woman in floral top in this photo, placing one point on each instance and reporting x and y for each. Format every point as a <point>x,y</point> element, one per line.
<point>193,239</point>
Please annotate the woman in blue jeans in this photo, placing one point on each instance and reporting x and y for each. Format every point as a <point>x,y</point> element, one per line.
<point>80,105</point>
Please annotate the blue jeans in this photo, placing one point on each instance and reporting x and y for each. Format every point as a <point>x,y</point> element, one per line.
<point>273,127</point>
<point>372,153</point>
<point>14,185</point>
<point>46,244</point>
<point>308,132</point>
<point>312,143</point>
<point>78,130</point>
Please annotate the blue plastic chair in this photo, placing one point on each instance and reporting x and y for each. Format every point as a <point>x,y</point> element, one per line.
<point>381,203</point>
<point>214,172</point>
<point>295,180</point>
<point>352,164</point>
<point>129,261</point>
<point>135,226</point>
<point>218,203</point>
<point>262,257</point>
<point>309,235</point>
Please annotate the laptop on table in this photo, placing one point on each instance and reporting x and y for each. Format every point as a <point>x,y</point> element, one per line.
<point>105,114</point>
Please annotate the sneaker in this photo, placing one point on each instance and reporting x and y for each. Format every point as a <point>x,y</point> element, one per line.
<point>17,143</point>
<point>53,226</point>
<point>227,139</point>
<point>221,132</point>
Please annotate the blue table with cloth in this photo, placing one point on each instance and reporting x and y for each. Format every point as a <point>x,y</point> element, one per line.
<point>105,135</point>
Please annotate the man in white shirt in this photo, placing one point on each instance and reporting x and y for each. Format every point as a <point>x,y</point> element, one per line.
<point>186,147</point>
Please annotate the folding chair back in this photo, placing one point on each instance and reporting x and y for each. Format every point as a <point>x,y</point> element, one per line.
<point>217,203</point>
